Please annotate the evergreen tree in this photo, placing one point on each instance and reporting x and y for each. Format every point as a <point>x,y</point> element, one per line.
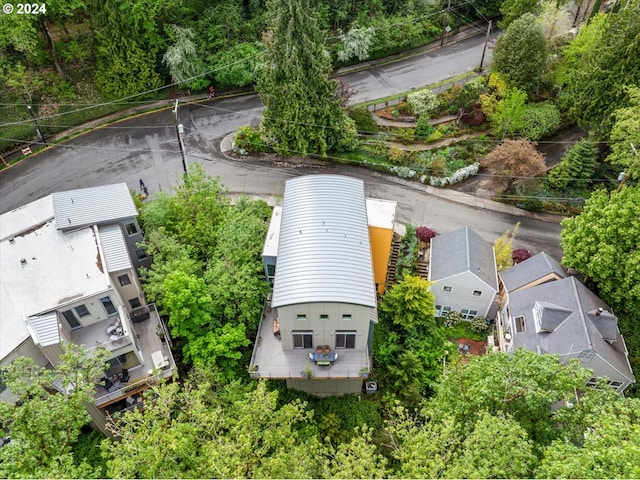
<point>598,66</point>
<point>521,54</point>
<point>303,113</point>
<point>576,167</point>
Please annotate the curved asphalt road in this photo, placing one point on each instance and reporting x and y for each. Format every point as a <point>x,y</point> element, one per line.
<point>146,147</point>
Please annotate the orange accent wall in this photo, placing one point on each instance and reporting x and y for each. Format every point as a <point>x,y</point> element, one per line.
<point>380,239</point>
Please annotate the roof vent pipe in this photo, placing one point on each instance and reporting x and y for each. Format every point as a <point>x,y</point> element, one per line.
<point>23,261</point>
<point>599,311</point>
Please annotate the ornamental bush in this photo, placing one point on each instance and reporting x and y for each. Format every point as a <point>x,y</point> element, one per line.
<point>425,234</point>
<point>424,129</point>
<point>364,121</point>
<point>423,102</point>
<point>248,138</point>
<point>452,319</point>
<point>540,120</point>
<point>478,324</point>
<point>520,255</point>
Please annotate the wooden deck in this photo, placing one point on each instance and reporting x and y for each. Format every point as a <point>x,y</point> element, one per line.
<point>273,362</point>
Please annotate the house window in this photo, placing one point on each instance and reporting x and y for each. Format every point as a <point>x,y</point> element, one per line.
<point>324,316</point>
<point>592,382</point>
<point>614,384</point>
<point>141,254</point>
<point>108,305</point>
<point>346,317</point>
<point>135,302</point>
<point>124,280</point>
<point>345,339</point>
<point>477,293</point>
<point>447,288</point>
<point>71,319</point>
<point>3,385</point>
<point>82,311</point>
<point>271,270</point>
<point>302,339</point>
<point>441,311</point>
<point>301,316</point>
<point>468,314</point>
<point>131,228</point>
<point>520,325</point>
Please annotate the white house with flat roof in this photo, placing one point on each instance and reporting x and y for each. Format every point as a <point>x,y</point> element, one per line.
<point>318,322</point>
<point>68,277</point>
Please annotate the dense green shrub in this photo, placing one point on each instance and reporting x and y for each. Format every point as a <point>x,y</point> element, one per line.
<point>423,128</point>
<point>249,139</point>
<point>409,249</point>
<point>395,155</point>
<point>540,120</point>
<point>404,135</point>
<point>479,324</point>
<point>364,121</point>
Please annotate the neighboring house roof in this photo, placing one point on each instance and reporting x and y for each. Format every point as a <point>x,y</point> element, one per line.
<point>324,253</point>
<point>462,251</point>
<point>114,248</point>
<point>381,213</point>
<point>93,206</point>
<point>560,318</point>
<point>44,268</point>
<point>273,234</point>
<point>531,270</point>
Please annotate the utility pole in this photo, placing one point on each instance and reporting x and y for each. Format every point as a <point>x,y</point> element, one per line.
<point>445,21</point>
<point>486,41</point>
<point>28,104</point>
<point>180,134</point>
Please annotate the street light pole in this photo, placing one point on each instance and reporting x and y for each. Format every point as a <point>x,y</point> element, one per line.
<point>180,134</point>
<point>27,103</point>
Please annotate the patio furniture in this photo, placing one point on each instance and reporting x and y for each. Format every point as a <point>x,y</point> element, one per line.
<point>464,348</point>
<point>323,358</point>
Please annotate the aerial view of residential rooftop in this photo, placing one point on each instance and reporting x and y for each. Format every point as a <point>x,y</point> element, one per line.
<point>69,275</point>
<point>326,252</point>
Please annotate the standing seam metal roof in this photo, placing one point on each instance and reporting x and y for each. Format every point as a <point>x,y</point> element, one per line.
<point>91,206</point>
<point>45,328</point>
<point>114,248</point>
<point>324,253</point>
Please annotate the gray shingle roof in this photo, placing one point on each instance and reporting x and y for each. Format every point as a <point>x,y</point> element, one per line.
<point>460,251</point>
<point>530,270</point>
<point>323,252</point>
<point>579,331</point>
<point>91,206</point>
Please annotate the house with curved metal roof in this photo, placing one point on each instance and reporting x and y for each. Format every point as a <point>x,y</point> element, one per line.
<point>319,320</point>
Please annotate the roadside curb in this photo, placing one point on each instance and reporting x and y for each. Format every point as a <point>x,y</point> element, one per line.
<point>444,193</point>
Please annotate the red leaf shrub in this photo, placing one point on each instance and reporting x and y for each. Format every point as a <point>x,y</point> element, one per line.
<point>520,255</point>
<point>425,234</point>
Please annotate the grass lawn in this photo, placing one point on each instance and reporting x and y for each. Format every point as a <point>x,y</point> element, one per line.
<point>462,330</point>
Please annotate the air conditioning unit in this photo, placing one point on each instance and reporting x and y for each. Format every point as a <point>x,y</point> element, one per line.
<point>371,387</point>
